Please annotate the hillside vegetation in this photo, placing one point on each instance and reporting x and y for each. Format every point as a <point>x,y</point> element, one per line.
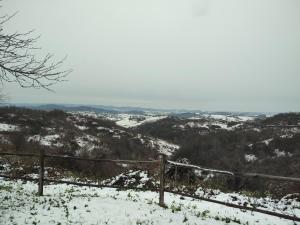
<point>237,143</point>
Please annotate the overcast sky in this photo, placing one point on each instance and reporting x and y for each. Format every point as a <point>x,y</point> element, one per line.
<point>234,55</point>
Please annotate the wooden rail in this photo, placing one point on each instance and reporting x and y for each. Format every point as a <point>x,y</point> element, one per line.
<point>101,160</point>
<point>267,176</point>
<point>19,154</point>
<point>18,177</point>
<point>79,158</point>
<point>77,183</point>
<point>99,185</point>
<point>199,168</point>
<point>282,126</point>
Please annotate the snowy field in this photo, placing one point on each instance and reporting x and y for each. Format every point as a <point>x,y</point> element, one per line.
<point>67,204</point>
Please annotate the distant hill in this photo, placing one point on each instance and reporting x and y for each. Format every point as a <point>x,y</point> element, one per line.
<point>89,108</point>
<point>134,110</point>
<point>67,108</point>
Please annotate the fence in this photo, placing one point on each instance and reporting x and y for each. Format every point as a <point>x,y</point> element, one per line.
<point>163,162</point>
<point>42,156</point>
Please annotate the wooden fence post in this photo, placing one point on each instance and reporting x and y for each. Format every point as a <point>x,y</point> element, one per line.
<point>41,172</point>
<point>162,180</point>
<point>175,178</point>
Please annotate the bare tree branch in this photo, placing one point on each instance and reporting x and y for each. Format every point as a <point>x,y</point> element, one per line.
<point>18,61</point>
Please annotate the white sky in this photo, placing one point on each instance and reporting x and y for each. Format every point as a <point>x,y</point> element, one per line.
<point>234,55</point>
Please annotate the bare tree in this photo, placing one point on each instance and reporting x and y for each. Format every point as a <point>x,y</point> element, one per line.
<point>19,63</point>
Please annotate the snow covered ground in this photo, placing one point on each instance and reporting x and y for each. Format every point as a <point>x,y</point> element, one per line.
<point>68,204</point>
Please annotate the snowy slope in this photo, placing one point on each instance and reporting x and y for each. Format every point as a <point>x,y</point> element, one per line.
<point>163,146</point>
<point>127,120</point>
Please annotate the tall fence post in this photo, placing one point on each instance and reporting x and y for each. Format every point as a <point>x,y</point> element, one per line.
<point>41,172</point>
<point>162,180</point>
<point>175,178</point>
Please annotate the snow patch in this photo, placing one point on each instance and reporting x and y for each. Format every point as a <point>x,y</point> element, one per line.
<point>105,129</point>
<point>163,147</point>
<point>279,153</point>
<point>127,120</point>
<point>196,125</point>
<point>287,136</point>
<point>87,142</point>
<point>267,142</point>
<point>8,127</point>
<point>250,158</point>
<point>139,179</point>
<point>48,140</point>
<point>81,127</point>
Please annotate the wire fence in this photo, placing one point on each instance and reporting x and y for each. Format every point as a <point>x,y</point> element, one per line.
<point>162,163</point>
